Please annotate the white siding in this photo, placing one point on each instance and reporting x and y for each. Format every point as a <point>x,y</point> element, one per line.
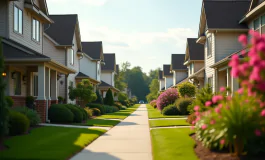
<point>26,38</point>
<point>198,66</point>
<point>168,82</point>
<point>88,67</point>
<point>3,19</point>
<point>112,79</point>
<point>98,71</point>
<point>57,54</point>
<point>107,77</point>
<point>209,72</point>
<point>161,84</point>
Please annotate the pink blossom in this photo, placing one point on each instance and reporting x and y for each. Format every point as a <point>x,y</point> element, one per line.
<point>261,47</point>
<point>196,108</point>
<point>240,91</point>
<point>192,127</point>
<point>208,103</point>
<point>193,122</point>
<point>222,141</point>
<point>243,39</point>
<point>222,89</point>
<point>262,113</point>
<point>217,110</point>
<point>261,86</point>
<point>212,122</point>
<point>197,113</point>
<point>228,98</point>
<point>204,126</point>
<point>255,74</point>
<point>217,98</point>
<point>257,132</point>
<point>262,104</point>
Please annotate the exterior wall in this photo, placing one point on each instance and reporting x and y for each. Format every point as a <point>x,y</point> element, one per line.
<point>26,38</point>
<point>88,67</point>
<point>49,49</point>
<point>107,77</point>
<point>180,76</point>
<point>221,80</point>
<point>112,79</point>
<point>161,84</point>
<point>198,66</point>
<point>3,18</point>
<point>11,82</point>
<point>98,71</point>
<point>168,82</point>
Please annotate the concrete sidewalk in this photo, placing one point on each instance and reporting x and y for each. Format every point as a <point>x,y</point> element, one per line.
<point>129,140</point>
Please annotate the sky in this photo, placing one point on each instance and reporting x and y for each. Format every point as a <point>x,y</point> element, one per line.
<point>142,32</point>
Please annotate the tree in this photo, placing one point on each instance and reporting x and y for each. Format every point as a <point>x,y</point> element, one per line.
<point>109,98</point>
<point>99,98</point>
<point>119,82</point>
<point>83,93</point>
<point>122,97</point>
<point>3,104</point>
<point>154,88</point>
<point>186,89</point>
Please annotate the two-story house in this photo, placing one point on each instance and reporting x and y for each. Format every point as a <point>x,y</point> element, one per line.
<point>168,76</point>
<point>178,68</point>
<point>108,71</point>
<point>161,81</point>
<point>194,60</point>
<point>219,30</point>
<point>63,44</point>
<point>27,71</point>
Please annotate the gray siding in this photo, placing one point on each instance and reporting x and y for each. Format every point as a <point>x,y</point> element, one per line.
<point>49,49</point>
<point>3,18</point>
<point>88,67</point>
<point>209,72</point>
<point>26,38</point>
<point>198,66</point>
<point>181,75</point>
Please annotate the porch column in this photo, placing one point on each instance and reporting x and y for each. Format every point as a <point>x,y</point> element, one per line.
<point>234,84</point>
<point>54,93</point>
<point>48,83</point>
<point>41,103</point>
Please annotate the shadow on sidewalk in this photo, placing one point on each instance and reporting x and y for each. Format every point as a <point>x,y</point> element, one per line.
<point>86,154</point>
<point>127,123</point>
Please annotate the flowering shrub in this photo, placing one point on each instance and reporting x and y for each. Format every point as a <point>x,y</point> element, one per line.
<point>186,89</point>
<point>153,103</point>
<point>166,98</point>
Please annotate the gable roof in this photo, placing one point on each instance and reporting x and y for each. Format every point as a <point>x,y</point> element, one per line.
<point>196,50</point>
<point>63,28</point>
<point>93,50</point>
<point>225,14</point>
<point>166,70</point>
<point>256,8</point>
<point>110,62</point>
<point>255,3</point>
<point>160,75</point>
<point>177,62</point>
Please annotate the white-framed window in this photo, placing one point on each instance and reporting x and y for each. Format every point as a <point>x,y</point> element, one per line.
<point>210,82</point>
<point>72,58</point>
<point>191,68</point>
<point>17,83</point>
<point>35,30</point>
<point>35,84</point>
<point>259,24</point>
<point>209,46</point>
<point>18,20</point>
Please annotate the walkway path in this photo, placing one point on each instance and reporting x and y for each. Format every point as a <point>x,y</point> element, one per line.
<point>129,140</point>
<point>75,126</point>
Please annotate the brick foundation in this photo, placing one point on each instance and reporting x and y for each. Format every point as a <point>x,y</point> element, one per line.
<point>54,102</point>
<point>41,109</point>
<point>19,101</point>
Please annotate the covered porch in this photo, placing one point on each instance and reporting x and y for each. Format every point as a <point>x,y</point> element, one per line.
<point>198,78</point>
<point>81,76</point>
<point>104,87</point>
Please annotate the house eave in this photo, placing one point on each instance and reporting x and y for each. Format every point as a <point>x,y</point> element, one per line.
<point>35,10</point>
<point>259,9</point>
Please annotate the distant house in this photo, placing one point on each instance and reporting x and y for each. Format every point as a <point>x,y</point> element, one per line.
<point>178,68</point>
<point>168,76</point>
<point>194,60</point>
<point>161,80</point>
<point>108,71</point>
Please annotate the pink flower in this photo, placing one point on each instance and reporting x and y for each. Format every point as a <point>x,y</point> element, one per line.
<point>243,39</point>
<point>228,98</point>
<point>192,127</point>
<point>217,98</point>
<point>196,108</point>
<point>262,113</point>
<point>240,91</point>
<point>261,47</point>
<point>255,75</point>
<point>208,103</point>
<point>257,132</point>
<point>217,110</point>
<point>222,89</point>
<point>212,122</point>
<point>204,126</point>
<point>222,141</point>
<point>262,104</point>
<point>197,113</point>
<point>261,86</point>
<point>193,122</point>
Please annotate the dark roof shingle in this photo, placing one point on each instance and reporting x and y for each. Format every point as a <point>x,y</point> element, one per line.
<point>160,75</point>
<point>110,62</point>
<point>166,70</point>
<point>104,84</point>
<point>196,50</point>
<point>63,28</point>
<point>80,74</point>
<point>177,61</point>
<point>225,14</point>
<point>93,49</point>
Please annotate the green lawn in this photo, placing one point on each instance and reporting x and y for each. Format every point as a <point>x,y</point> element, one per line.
<point>99,122</point>
<point>155,113</point>
<point>122,114</point>
<point>173,143</point>
<point>49,143</point>
<point>173,122</point>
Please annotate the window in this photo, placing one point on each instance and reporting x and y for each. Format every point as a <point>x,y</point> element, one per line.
<point>263,24</point>
<point>210,82</point>
<point>191,67</point>
<point>35,85</point>
<point>35,30</point>
<point>18,20</point>
<point>259,24</point>
<point>17,83</point>
<point>71,56</point>
<point>209,46</point>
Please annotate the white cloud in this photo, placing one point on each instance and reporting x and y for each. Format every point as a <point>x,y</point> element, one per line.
<point>88,2</point>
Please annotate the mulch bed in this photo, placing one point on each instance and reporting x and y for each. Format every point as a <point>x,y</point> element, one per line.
<point>204,153</point>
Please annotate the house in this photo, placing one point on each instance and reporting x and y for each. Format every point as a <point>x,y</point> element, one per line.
<point>161,81</point>
<point>28,72</point>
<point>108,72</point>
<point>168,76</point>
<point>63,44</point>
<point>194,60</point>
<point>219,32</point>
<point>178,68</point>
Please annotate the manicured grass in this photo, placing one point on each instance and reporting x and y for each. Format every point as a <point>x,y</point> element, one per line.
<point>155,113</point>
<point>122,114</point>
<point>173,143</point>
<point>173,122</point>
<point>49,143</point>
<point>99,122</point>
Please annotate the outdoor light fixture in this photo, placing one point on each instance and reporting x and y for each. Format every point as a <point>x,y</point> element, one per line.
<point>4,74</point>
<point>61,82</point>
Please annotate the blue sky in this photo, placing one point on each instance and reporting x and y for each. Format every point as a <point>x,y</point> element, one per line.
<point>143,32</point>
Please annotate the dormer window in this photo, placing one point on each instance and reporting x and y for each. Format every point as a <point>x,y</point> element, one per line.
<point>35,30</point>
<point>18,20</point>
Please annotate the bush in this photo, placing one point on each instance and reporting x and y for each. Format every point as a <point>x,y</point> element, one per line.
<point>60,100</point>
<point>122,96</point>
<point>115,109</point>
<point>191,118</point>
<point>95,112</point>
<point>117,105</point>
<point>78,115</point>
<point>99,99</point>
<point>31,114</point>
<point>166,98</point>
<point>30,102</point>
<point>59,113</point>
<point>89,112</point>
<point>123,107</point>
<point>98,106</point>
<point>186,89</point>
<point>18,123</point>
<point>153,103</point>
<point>108,109</point>
<point>9,101</point>
<point>109,98</point>
<point>84,113</point>
<point>170,110</point>
<point>182,105</point>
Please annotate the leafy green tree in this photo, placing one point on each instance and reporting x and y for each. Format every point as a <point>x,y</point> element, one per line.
<point>119,82</point>
<point>122,97</point>
<point>154,88</point>
<point>109,98</point>
<point>83,93</point>
<point>99,98</point>
<point>3,104</point>
<point>187,89</point>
